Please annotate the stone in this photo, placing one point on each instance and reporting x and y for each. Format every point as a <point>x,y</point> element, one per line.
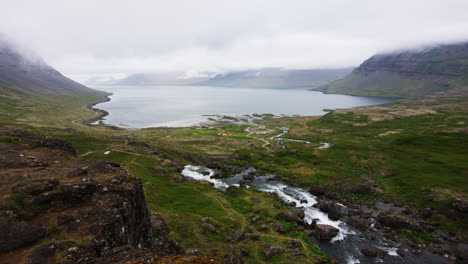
<point>398,221</point>
<point>255,218</point>
<point>295,244</point>
<point>358,223</point>
<point>373,252</point>
<point>317,189</point>
<point>325,232</point>
<point>292,216</point>
<point>461,205</point>
<point>210,227</point>
<point>271,251</point>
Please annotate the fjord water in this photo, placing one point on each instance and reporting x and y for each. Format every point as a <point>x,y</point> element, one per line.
<point>176,106</point>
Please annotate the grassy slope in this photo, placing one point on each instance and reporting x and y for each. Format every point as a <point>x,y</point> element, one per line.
<point>390,84</point>
<point>35,109</point>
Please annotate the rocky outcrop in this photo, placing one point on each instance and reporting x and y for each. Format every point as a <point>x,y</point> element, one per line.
<point>47,195</point>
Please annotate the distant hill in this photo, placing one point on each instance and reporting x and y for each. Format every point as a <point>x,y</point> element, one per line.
<point>410,73</point>
<point>267,78</point>
<point>149,79</point>
<point>277,78</point>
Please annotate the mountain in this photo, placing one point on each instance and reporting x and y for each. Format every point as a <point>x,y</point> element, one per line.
<point>26,71</point>
<point>149,79</point>
<point>270,77</point>
<point>409,73</point>
<point>277,78</point>
<point>31,91</point>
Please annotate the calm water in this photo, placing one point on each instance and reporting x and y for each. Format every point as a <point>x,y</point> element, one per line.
<point>139,107</point>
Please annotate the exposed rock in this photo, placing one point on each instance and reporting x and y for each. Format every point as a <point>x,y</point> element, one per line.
<point>317,189</point>
<point>271,250</point>
<point>373,252</point>
<point>255,218</point>
<point>427,212</point>
<point>399,221</point>
<point>210,227</point>
<point>279,228</point>
<point>461,206</point>
<point>233,259</point>
<point>358,188</point>
<point>99,204</point>
<point>333,210</point>
<point>55,143</point>
<point>325,232</point>
<point>295,215</point>
<point>295,244</point>
<point>16,234</point>
<point>358,223</point>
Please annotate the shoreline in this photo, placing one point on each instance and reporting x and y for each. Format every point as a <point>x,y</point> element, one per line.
<point>100,114</point>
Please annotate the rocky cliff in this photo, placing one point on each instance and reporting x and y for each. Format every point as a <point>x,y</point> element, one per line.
<point>410,73</point>
<point>56,208</point>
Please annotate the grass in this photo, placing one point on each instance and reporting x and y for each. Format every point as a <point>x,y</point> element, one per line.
<point>422,162</point>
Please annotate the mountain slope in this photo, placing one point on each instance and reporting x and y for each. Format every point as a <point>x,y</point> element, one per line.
<point>29,72</point>
<point>411,73</point>
<point>32,91</point>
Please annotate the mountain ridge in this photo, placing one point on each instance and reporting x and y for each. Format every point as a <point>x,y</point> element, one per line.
<point>409,73</point>
<point>259,78</point>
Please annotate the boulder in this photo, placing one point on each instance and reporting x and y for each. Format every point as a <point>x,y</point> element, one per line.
<point>358,189</point>
<point>358,223</point>
<point>333,210</point>
<point>16,234</point>
<point>461,205</point>
<point>317,189</point>
<point>426,212</point>
<point>279,228</point>
<point>399,221</point>
<point>295,215</point>
<point>271,250</point>
<point>325,232</point>
<point>210,227</point>
<point>373,252</point>
<point>295,244</point>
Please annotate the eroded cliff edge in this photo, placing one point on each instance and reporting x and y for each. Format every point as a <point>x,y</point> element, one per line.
<point>56,208</point>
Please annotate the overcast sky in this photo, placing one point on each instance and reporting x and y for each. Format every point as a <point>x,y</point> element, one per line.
<point>85,38</point>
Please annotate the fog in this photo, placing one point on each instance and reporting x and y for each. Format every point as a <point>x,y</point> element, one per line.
<point>113,38</point>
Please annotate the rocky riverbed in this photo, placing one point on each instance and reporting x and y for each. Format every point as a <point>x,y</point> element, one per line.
<point>348,231</point>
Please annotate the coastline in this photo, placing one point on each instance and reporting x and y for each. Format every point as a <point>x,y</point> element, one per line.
<point>100,114</point>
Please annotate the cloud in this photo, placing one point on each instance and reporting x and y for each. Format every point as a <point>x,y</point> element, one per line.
<point>114,38</point>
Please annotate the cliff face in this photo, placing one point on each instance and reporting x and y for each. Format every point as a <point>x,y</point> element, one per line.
<point>408,73</point>
<point>55,208</point>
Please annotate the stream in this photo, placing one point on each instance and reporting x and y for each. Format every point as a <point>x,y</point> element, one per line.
<point>346,245</point>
